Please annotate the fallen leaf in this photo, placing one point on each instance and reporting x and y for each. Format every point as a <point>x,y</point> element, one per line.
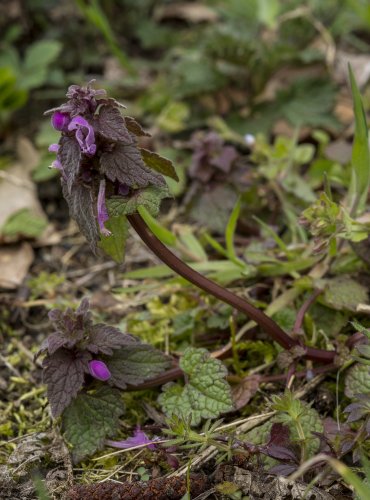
<point>339,151</point>
<point>360,64</point>
<point>15,261</point>
<point>191,12</point>
<point>244,392</point>
<point>17,190</point>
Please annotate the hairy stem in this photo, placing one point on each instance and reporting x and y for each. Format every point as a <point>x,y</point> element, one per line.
<point>221,293</point>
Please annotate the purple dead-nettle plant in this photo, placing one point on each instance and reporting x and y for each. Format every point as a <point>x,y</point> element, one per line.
<point>99,159</point>
<point>80,354</point>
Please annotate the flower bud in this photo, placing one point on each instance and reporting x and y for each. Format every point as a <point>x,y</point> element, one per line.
<point>60,121</point>
<point>99,370</point>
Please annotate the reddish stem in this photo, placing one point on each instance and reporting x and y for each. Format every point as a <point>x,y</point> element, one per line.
<point>302,311</point>
<point>266,323</point>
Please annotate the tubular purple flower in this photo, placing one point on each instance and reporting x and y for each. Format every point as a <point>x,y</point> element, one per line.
<point>99,370</point>
<point>84,134</point>
<point>60,121</point>
<point>53,148</point>
<point>56,164</point>
<point>102,209</point>
<point>138,439</point>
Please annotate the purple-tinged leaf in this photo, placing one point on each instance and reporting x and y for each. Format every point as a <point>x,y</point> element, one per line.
<point>135,364</point>
<point>279,452</point>
<point>64,374</point>
<point>159,163</point>
<point>356,411</point>
<point>55,341</point>
<point>104,339</point>
<point>124,164</point>
<point>81,204</point>
<point>282,469</point>
<point>83,309</point>
<point>135,128</point>
<point>138,439</point>
<point>109,123</point>
<point>279,435</point>
<point>70,325</point>
<point>69,155</point>
<point>225,158</point>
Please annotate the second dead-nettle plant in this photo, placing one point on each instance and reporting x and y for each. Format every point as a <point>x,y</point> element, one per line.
<point>107,178</point>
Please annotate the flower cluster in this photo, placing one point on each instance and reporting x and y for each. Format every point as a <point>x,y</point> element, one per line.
<point>98,157</point>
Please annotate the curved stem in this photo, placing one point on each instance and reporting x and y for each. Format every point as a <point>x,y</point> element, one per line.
<point>177,265</point>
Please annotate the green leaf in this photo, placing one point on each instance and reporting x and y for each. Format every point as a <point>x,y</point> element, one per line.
<point>310,422</point>
<point>133,364</point>
<point>159,163</point>
<point>206,394</point>
<point>115,244</point>
<point>25,223</point>
<point>291,104</point>
<point>90,419</point>
<point>37,59</point>
<point>357,380</point>
<point>149,197</point>
<point>11,97</point>
<point>360,180</point>
<point>343,293</point>
<point>173,117</point>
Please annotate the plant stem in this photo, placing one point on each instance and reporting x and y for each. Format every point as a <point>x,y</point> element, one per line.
<point>266,323</point>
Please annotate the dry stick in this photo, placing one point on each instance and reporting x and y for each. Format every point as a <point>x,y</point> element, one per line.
<point>266,323</point>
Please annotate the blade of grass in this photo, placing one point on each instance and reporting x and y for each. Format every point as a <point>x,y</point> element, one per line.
<point>230,233</point>
<point>360,179</point>
<point>160,231</point>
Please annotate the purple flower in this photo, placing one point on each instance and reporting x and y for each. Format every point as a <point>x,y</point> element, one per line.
<point>60,121</point>
<point>138,439</point>
<point>99,370</point>
<point>56,164</point>
<point>102,209</point>
<point>84,134</point>
<point>53,148</point>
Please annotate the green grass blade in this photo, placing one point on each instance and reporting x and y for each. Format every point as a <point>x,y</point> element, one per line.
<point>360,180</point>
<point>230,231</point>
<point>157,229</point>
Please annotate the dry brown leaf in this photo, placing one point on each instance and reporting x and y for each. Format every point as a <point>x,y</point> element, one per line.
<point>360,64</point>
<point>15,261</point>
<point>244,392</point>
<point>192,12</point>
<point>17,190</point>
<point>339,151</point>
